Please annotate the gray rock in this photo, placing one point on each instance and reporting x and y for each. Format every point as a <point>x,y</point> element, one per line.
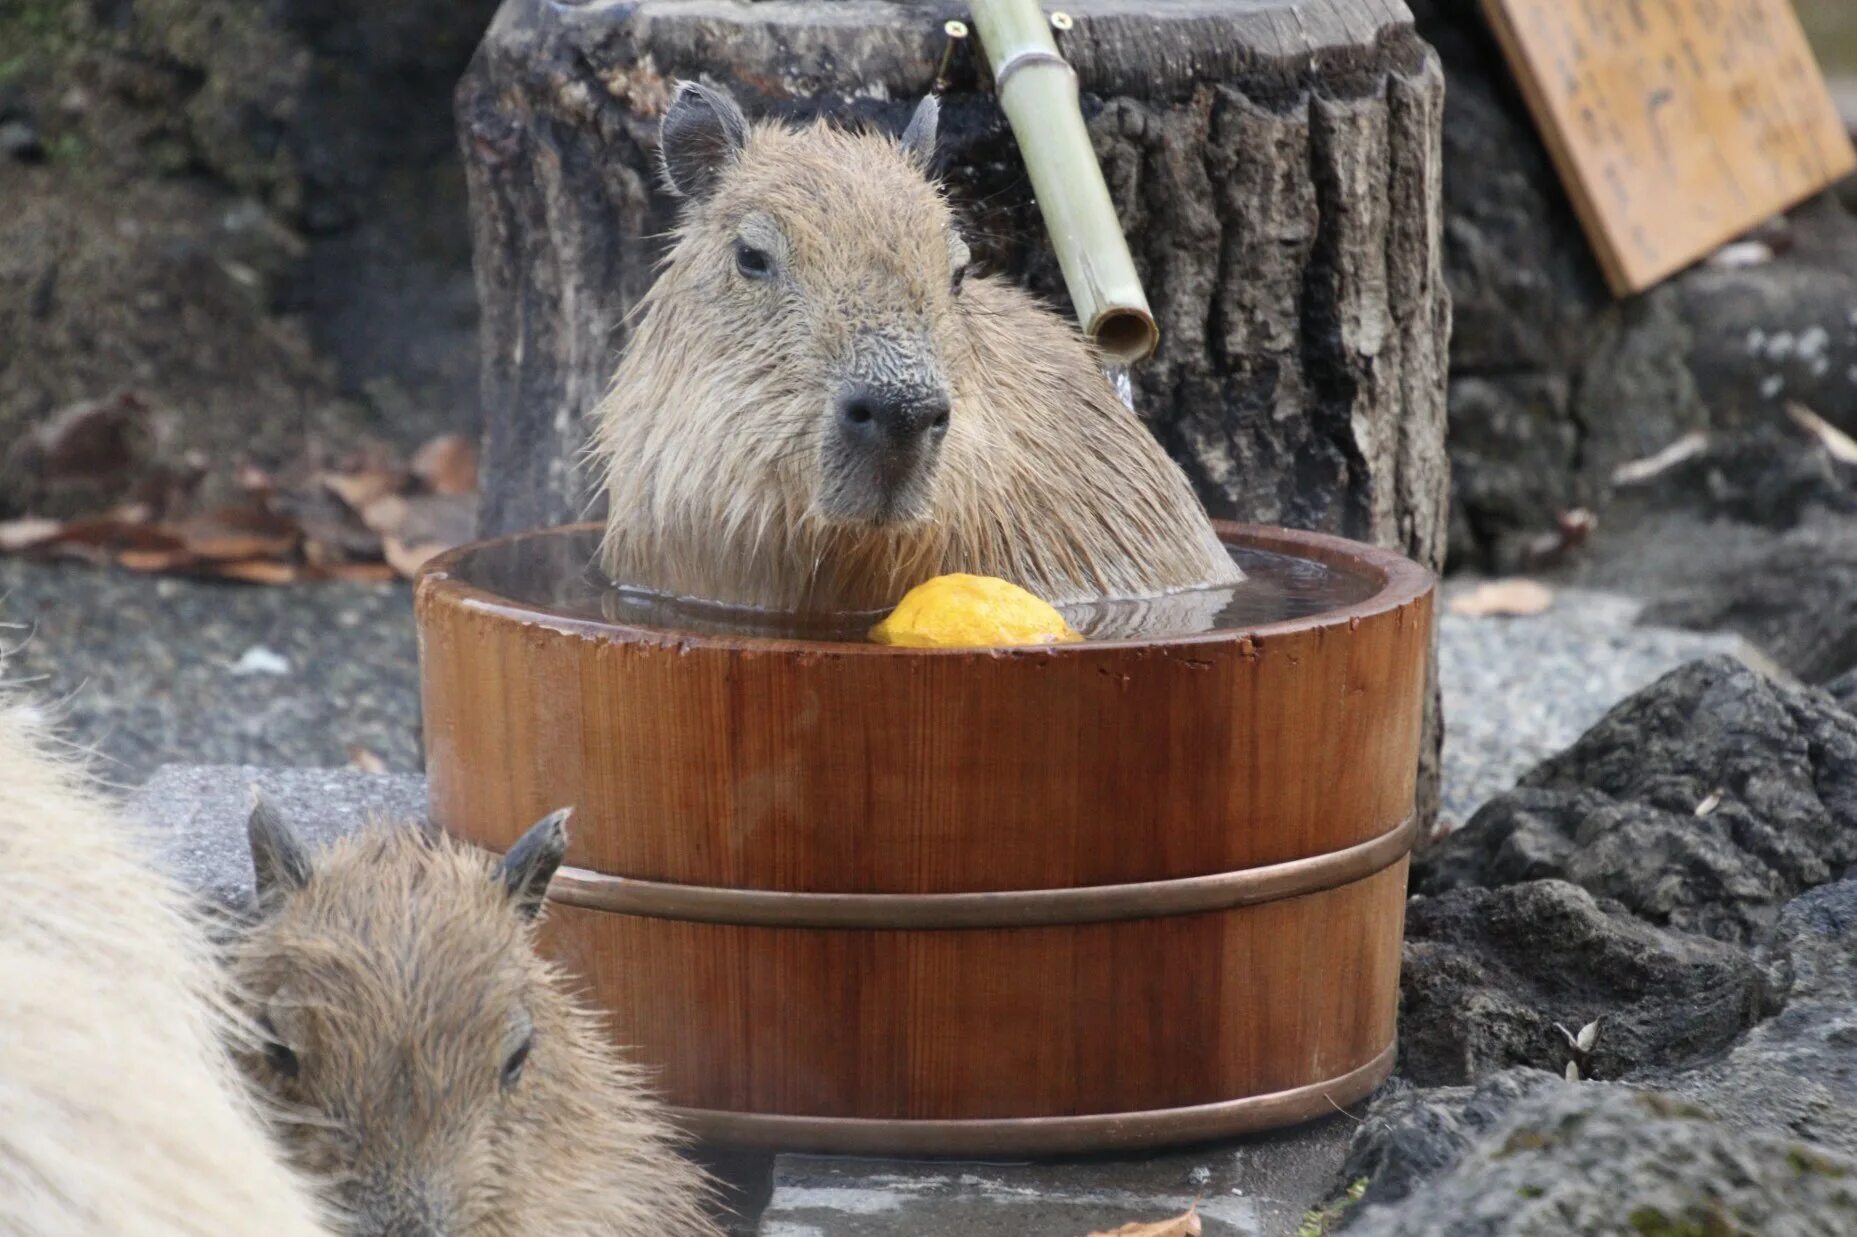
<point>1797,1071</point>
<point>1774,769</point>
<point>1596,1158</point>
<point>1489,973</point>
<point>196,815</point>
<point>1843,689</point>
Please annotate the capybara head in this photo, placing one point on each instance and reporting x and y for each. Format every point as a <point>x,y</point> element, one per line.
<point>840,261</point>
<point>820,405</point>
<point>430,1067</point>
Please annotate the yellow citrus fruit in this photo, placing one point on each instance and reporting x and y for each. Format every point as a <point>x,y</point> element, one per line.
<point>962,611</point>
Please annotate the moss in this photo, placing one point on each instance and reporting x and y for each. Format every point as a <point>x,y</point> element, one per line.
<point>1530,1191</point>
<point>1521,1140</point>
<point>1806,1161</point>
<point>1320,1221</point>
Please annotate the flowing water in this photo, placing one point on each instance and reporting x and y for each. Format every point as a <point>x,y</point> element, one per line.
<point>558,571</point>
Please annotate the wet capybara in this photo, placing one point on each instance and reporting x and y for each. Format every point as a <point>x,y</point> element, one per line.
<point>822,406</point>
<point>433,1069</point>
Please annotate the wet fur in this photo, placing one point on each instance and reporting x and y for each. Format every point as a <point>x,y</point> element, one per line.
<point>120,1111</point>
<point>402,952</point>
<point>711,437</point>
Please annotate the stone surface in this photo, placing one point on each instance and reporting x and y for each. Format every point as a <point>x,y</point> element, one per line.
<point>1773,769</point>
<point>1491,976</point>
<point>145,670</point>
<point>196,815</point>
<point>1259,1186</point>
<point>1600,1158</point>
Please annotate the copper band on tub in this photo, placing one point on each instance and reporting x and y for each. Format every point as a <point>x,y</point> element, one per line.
<point>1096,1132</point>
<point>1017,908</point>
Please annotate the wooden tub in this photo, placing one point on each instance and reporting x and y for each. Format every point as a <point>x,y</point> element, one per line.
<point>860,899</point>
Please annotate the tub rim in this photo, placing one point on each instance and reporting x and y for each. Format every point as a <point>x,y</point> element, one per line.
<point>1401,581</point>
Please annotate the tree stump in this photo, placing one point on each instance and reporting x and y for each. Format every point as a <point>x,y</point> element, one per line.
<point>1276,164</point>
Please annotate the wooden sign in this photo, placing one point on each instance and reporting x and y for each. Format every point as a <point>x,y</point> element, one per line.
<point>1676,124</point>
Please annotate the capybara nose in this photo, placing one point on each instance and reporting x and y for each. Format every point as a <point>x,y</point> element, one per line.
<point>899,418</point>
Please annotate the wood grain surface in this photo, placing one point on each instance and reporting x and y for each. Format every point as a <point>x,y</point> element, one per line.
<point>743,764</point>
<point>1676,125</point>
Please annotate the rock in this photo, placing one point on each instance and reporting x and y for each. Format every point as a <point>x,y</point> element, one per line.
<point>1603,1158</point>
<point>1488,973</point>
<point>1795,594</point>
<point>1843,689</point>
<point>1553,382</point>
<point>1797,1071</point>
<point>1774,767</point>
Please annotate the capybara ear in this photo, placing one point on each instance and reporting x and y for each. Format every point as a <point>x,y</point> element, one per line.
<point>279,863</point>
<point>531,862</point>
<point>702,133</point>
<point>919,137</point>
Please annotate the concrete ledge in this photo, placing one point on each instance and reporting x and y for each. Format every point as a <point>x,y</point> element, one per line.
<point>196,814</point>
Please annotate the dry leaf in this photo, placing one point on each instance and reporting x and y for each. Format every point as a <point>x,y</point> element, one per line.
<point>367,762</point>
<point>1516,597</point>
<point>1838,444</point>
<point>1709,804</point>
<point>258,571</point>
<point>154,562</point>
<point>18,535</point>
<point>233,533</point>
<point>408,559</point>
<point>358,489</point>
<point>359,573</point>
<point>447,465</point>
<point>1573,1071</point>
<point>95,439</point>
<point>1589,1036</point>
<point>1637,472</point>
<point>1184,1225</point>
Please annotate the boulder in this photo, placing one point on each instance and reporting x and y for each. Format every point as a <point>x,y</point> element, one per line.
<point>1494,978</point>
<point>1704,803</point>
<point>1603,1158</point>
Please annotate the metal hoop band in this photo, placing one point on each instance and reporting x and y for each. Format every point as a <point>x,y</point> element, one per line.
<point>1114,1131</point>
<point>1017,908</point>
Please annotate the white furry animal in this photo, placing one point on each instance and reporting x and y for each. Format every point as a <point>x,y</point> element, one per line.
<point>121,1114</point>
<point>820,407</point>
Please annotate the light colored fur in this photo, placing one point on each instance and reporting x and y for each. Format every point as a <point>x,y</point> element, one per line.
<point>710,438</point>
<point>120,1112</point>
<point>401,976</point>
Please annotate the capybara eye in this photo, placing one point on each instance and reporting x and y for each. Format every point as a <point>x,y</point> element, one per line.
<point>752,262</point>
<point>282,1059</point>
<point>960,277</point>
<point>512,1068</point>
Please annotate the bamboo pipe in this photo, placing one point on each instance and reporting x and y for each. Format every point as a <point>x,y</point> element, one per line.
<point>1037,90</point>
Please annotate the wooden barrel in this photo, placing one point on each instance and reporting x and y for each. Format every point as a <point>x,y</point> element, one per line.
<point>853,898</point>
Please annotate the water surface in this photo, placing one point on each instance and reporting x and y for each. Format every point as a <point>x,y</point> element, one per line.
<point>559,572</point>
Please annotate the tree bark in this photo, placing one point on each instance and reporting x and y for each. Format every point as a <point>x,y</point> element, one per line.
<point>1276,164</point>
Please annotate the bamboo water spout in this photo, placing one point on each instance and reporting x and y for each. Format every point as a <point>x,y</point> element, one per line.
<point>1037,90</point>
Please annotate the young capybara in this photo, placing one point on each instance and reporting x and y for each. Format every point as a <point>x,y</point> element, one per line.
<point>432,1069</point>
<point>120,1110</point>
<point>821,406</point>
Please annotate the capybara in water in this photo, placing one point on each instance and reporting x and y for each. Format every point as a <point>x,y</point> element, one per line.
<point>432,1068</point>
<point>822,407</point>
<point>120,1109</point>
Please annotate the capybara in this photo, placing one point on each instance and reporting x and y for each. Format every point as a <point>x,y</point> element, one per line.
<point>120,1109</point>
<point>821,406</point>
<point>433,1069</point>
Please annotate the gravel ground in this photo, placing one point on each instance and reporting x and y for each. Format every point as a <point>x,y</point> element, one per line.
<point>153,671</point>
<point>1517,690</point>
